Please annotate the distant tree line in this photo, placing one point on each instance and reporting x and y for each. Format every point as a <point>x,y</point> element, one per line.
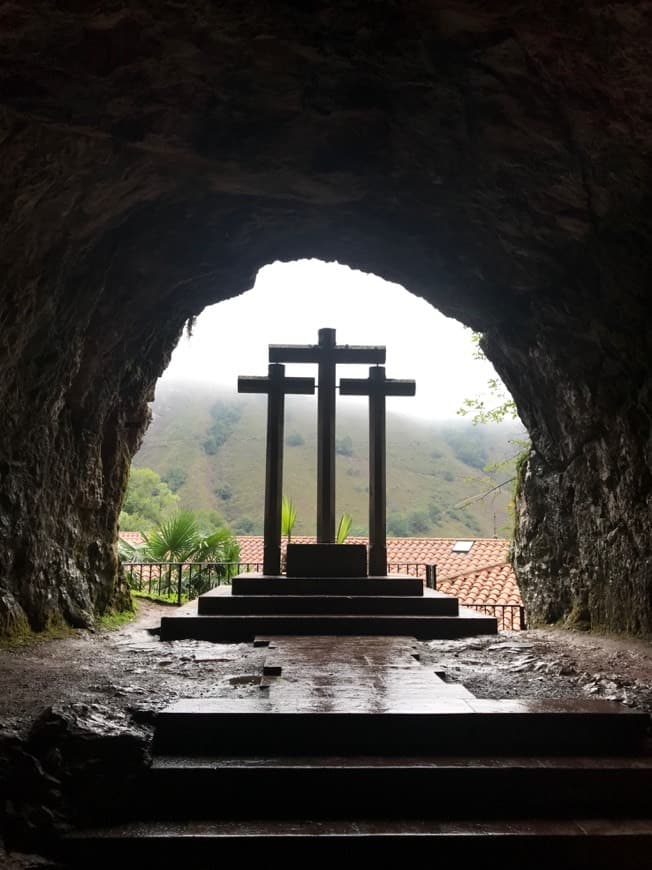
<point>149,502</point>
<point>225,418</point>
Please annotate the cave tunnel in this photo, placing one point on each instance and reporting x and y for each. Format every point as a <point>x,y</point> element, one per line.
<point>494,159</point>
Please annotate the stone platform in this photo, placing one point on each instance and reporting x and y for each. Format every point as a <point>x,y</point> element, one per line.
<point>260,584</point>
<point>347,606</point>
<point>350,748</point>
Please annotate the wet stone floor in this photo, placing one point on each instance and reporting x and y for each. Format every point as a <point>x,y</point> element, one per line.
<point>133,673</point>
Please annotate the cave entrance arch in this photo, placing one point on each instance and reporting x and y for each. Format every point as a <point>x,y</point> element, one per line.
<point>288,302</point>
<point>163,263</point>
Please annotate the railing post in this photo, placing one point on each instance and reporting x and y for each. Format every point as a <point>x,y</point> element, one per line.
<point>179,577</point>
<point>431,576</point>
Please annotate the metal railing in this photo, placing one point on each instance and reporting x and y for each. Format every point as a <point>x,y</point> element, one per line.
<point>510,617</point>
<point>414,569</point>
<point>180,581</point>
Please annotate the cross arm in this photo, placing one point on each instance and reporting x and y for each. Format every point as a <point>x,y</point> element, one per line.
<point>314,353</point>
<point>296,386</point>
<point>366,387</point>
<point>294,353</point>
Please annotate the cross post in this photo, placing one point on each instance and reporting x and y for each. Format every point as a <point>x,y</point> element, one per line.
<point>377,387</point>
<point>327,354</point>
<point>277,386</point>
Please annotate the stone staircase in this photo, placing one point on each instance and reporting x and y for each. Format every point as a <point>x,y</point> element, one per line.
<point>350,749</point>
<point>393,605</point>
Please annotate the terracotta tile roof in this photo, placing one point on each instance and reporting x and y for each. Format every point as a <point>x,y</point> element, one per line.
<point>133,538</point>
<point>495,584</point>
<point>439,552</point>
<point>485,552</point>
<point>480,576</point>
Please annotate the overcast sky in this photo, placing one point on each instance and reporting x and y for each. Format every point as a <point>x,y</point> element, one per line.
<point>290,302</point>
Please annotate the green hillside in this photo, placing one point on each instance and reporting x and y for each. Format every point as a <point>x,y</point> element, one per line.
<point>210,447</point>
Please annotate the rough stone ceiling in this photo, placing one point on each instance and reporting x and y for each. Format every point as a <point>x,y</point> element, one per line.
<point>475,144</point>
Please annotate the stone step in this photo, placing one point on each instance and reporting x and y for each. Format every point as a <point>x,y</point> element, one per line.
<point>216,602</point>
<point>259,584</point>
<point>245,627</point>
<point>272,787</point>
<point>299,725</point>
<point>581,842</point>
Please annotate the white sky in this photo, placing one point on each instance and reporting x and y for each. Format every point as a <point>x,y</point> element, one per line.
<point>290,302</point>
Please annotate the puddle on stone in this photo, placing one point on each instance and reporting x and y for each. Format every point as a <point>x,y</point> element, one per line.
<point>246,680</point>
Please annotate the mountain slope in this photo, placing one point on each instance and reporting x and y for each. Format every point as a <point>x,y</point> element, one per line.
<point>210,445</point>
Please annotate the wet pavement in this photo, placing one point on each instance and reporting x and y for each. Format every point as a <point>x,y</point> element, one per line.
<point>133,670</point>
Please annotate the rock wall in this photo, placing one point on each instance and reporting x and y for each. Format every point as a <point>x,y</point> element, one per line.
<point>492,158</point>
<point>582,547</point>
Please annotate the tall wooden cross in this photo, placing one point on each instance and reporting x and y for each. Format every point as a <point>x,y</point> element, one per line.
<point>377,387</point>
<point>328,355</point>
<point>276,385</point>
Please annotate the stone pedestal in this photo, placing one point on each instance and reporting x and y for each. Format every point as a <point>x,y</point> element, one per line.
<point>326,560</point>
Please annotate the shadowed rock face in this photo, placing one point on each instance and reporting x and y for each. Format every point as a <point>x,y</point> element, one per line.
<point>496,162</point>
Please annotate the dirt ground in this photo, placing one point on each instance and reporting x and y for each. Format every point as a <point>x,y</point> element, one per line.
<point>131,670</point>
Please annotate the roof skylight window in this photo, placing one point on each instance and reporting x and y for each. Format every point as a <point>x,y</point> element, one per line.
<point>463,546</point>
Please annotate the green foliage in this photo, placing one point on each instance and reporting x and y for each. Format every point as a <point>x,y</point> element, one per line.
<point>210,447</point>
<point>180,539</point>
<point>225,416</point>
<point>343,528</point>
<point>344,446</point>
<point>295,439</point>
<point>23,635</point>
<point>418,523</point>
<point>519,468</point>
<point>470,522</point>
<point>415,478</point>
<point>224,492</point>
<point>246,526</point>
<point>219,546</point>
<point>161,597</point>
<point>397,526</point>
<point>148,501</point>
<point>116,619</point>
<point>468,446</point>
<point>130,552</point>
<point>434,512</point>
<point>175,478</point>
<point>208,520</point>
<point>288,517</point>
<point>500,407</point>
<point>175,540</point>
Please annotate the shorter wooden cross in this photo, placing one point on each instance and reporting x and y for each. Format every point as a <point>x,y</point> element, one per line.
<point>377,387</point>
<point>277,386</point>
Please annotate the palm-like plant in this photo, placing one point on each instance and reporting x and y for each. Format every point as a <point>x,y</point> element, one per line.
<point>288,517</point>
<point>343,528</point>
<point>179,539</point>
<point>174,540</point>
<point>218,546</point>
<point>129,552</point>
